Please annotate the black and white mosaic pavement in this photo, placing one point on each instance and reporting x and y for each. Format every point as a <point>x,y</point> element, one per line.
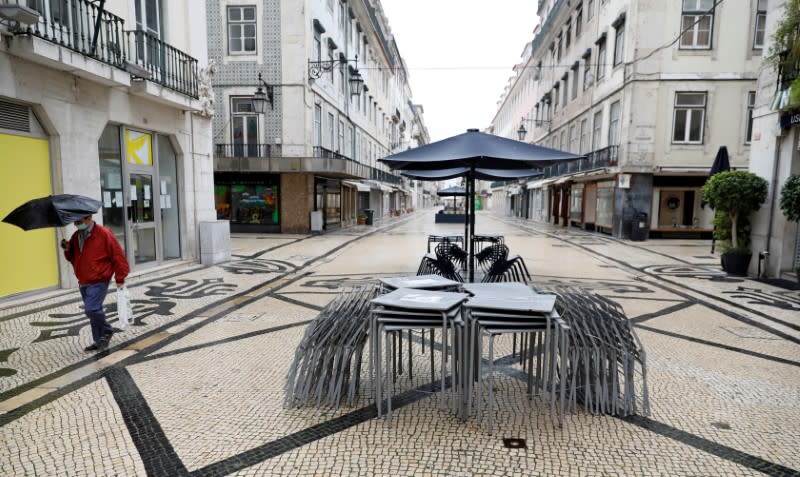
<point>195,385</point>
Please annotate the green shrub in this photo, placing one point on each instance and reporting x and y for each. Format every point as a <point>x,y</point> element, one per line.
<point>790,198</point>
<point>735,195</point>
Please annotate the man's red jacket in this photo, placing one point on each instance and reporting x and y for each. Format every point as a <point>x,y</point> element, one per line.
<point>101,257</point>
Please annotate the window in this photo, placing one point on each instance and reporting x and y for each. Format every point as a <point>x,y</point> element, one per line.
<point>555,97</point>
<point>589,9</point>
<point>598,127</point>
<point>573,140</point>
<point>317,45</point>
<point>697,19</point>
<point>241,30</point>
<point>244,127</point>
<point>582,148</point>
<point>751,102</point>
<point>568,38</point>
<point>690,111</point>
<point>563,144</point>
<point>601,59</point>
<point>341,146</point>
<point>342,15</point>
<point>761,20</point>
<point>558,48</point>
<point>331,131</point>
<point>619,43</point>
<point>578,20</point>
<point>575,81</point>
<point>566,88</point>
<point>352,151</point>
<point>587,71</point>
<point>613,124</point>
<point>342,82</point>
<point>318,124</point>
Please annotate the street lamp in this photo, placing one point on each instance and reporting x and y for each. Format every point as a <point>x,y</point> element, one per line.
<point>316,68</point>
<point>521,132</point>
<point>260,97</point>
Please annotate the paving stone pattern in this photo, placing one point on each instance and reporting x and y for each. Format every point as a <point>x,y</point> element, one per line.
<point>195,385</point>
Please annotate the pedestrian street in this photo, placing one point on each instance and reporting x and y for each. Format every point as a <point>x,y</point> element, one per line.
<point>195,385</point>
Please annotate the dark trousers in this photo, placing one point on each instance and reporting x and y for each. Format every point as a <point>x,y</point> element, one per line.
<point>93,296</point>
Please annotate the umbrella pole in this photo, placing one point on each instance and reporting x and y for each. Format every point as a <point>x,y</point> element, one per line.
<point>471,214</point>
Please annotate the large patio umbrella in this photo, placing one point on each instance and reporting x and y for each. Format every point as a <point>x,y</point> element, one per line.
<point>721,164</point>
<point>475,155</point>
<point>454,191</point>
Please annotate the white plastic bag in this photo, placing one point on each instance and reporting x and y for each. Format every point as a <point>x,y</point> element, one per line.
<point>124,309</point>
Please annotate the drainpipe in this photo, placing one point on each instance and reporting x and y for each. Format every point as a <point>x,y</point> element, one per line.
<point>774,181</point>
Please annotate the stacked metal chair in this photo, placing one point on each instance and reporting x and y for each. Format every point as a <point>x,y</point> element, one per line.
<point>499,267</point>
<point>444,262</point>
<point>327,363</point>
<point>606,364</point>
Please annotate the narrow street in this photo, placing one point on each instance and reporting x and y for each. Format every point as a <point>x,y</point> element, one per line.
<point>195,386</point>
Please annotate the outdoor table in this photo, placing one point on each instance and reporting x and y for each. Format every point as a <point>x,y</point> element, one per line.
<point>420,282</point>
<point>495,289</point>
<point>406,309</point>
<point>510,309</point>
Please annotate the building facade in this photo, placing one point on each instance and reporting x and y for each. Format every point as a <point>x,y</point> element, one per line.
<point>648,91</point>
<point>312,153</point>
<point>108,104</point>
<point>775,156</point>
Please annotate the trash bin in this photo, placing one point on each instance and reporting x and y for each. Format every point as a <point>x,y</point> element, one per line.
<point>639,227</point>
<point>369,213</point>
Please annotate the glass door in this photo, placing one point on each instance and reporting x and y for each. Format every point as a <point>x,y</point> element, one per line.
<point>142,219</point>
<point>244,129</point>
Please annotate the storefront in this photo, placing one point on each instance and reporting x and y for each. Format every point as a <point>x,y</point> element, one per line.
<point>139,192</point>
<point>328,199</point>
<point>251,202</point>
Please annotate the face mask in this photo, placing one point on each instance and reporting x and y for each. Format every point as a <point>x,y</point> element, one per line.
<point>82,226</point>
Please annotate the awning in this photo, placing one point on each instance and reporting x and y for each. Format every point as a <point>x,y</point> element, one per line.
<point>378,186</point>
<point>540,183</point>
<point>564,179</point>
<point>359,186</point>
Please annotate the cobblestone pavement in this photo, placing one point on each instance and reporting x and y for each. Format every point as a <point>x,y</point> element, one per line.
<point>195,385</point>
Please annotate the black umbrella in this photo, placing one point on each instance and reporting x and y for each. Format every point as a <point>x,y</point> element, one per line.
<point>454,191</point>
<point>52,211</point>
<point>475,155</point>
<point>721,164</point>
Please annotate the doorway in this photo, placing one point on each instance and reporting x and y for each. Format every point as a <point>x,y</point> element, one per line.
<point>139,187</point>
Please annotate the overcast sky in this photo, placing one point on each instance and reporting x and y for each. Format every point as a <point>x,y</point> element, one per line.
<point>460,54</point>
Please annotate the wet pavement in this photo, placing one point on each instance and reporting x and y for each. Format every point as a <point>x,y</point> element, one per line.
<point>195,385</point>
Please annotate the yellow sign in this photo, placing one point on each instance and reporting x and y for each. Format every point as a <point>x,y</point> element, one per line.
<point>138,148</point>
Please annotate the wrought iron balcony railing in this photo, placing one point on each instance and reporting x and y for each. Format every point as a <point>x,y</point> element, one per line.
<point>72,25</point>
<point>328,154</point>
<point>165,64</point>
<point>605,157</point>
<point>245,150</point>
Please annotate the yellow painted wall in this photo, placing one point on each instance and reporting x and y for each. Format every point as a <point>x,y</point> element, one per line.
<point>28,260</point>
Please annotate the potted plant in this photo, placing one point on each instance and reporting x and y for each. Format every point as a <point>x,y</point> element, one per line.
<point>362,218</point>
<point>735,195</point>
<point>790,205</point>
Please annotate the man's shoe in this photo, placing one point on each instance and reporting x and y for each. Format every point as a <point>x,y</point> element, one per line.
<point>92,347</point>
<point>103,342</point>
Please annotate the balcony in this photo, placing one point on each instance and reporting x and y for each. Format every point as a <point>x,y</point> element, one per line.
<point>606,157</point>
<point>122,54</point>
<point>268,158</point>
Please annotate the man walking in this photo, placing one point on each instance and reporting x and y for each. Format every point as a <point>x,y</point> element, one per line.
<point>95,255</point>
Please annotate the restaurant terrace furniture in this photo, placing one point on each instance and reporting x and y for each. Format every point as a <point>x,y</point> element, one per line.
<point>496,310</point>
<point>445,238</point>
<point>327,362</point>
<point>407,309</point>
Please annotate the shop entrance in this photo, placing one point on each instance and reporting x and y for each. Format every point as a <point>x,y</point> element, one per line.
<point>140,194</point>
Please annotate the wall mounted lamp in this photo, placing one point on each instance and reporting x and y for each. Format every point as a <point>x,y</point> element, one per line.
<point>539,123</point>
<point>260,97</point>
<point>316,68</point>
